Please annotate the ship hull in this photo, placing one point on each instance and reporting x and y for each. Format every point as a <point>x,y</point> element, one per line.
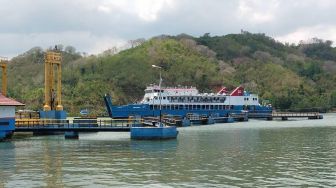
<point>144,110</point>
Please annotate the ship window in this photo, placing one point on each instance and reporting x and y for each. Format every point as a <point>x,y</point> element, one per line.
<point>198,107</point>
<point>176,107</point>
<point>203,106</point>
<point>181,107</point>
<point>151,107</point>
<point>164,98</point>
<point>211,107</point>
<point>155,97</point>
<point>190,107</point>
<point>163,107</point>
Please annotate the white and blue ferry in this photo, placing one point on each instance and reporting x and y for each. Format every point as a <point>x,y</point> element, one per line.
<point>181,101</point>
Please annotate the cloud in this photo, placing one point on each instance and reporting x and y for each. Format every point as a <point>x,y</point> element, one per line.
<point>326,32</point>
<point>92,25</point>
<point>146,10</point>
<point>82,41</point>
<point>256,11</point>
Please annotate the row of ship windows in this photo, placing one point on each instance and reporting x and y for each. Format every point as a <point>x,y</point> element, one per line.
<point>191,107</point>
<point>254,99</point>
<point>192,99</point>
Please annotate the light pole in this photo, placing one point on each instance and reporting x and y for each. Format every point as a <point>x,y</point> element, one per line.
<point>158,67</point>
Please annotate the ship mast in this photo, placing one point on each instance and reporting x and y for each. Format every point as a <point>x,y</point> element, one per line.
<point>158,67</point>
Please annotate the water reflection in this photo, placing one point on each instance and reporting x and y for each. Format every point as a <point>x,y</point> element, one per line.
<point>7,161</point>
<point>253,154</point>
<point>147,146</point>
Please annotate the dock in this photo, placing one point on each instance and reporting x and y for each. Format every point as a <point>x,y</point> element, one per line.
<point>71,128</point>
<point>285,115</point>
<point>138,128</point>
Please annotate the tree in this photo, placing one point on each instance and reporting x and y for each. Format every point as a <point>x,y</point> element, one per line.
<point>70,50</point>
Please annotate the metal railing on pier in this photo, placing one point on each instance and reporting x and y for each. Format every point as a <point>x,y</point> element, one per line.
<point>295,114</point>
<point>87,125</point>
<point>286,115</point>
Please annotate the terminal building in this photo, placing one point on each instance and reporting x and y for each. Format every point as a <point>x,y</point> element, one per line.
<point>7,116</point>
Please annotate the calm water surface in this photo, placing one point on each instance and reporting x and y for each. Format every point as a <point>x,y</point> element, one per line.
<point>248,154</point>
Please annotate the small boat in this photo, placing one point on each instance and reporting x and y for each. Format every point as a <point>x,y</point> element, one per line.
<point>84,112</point>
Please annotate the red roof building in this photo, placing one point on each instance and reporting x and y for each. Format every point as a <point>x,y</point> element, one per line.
<point>4,101</point>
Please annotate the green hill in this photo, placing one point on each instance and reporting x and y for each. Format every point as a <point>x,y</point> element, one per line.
<point>290,76</point>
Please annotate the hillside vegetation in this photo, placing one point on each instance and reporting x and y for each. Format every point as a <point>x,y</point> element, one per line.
<point>295,77</point>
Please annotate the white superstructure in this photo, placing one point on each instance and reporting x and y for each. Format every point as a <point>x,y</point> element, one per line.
<point>191,96</point>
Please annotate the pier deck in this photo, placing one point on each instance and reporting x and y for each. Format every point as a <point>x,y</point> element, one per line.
<point>286,115</point>
<point>42,125</point>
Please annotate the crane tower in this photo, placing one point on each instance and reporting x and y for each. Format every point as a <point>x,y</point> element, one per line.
<point>3,64</point>
<point>53,87</point>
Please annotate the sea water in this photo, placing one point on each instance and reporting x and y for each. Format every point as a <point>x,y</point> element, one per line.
<point>256,153</point>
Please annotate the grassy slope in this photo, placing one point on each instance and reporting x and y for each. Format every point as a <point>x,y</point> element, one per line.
<point>277,72</point>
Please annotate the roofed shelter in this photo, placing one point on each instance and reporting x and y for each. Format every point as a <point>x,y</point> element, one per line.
<point>7,116</point>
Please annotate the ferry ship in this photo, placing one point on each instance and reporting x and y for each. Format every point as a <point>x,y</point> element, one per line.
<point>181,101</point>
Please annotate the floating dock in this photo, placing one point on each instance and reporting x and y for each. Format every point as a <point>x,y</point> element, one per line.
<point>72,128</point>
<point>286,115</point>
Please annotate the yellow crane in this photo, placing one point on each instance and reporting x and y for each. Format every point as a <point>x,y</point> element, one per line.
<point>52,95</point>
<point>3,64</point>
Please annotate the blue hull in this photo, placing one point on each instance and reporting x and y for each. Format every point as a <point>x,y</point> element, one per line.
<point>7,126</point>
<point>144,110</point>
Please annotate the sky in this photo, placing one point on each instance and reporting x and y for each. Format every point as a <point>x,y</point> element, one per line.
<point>93,26</point>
